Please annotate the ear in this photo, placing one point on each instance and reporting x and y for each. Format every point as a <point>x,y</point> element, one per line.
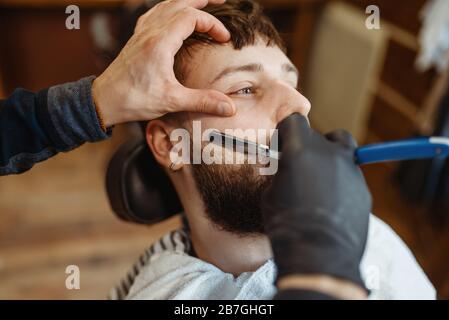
<point>157,135</point>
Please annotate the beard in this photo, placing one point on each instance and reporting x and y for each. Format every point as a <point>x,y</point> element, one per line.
<point>232,196</point>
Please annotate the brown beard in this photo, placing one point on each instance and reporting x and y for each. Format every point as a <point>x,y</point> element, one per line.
<point>232,196</point>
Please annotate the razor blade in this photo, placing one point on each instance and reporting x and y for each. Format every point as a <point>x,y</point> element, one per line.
<point>245,145</point>
<point>399,150</point>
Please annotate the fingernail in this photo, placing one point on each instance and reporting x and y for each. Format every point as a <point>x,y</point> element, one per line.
<point>225,108</point>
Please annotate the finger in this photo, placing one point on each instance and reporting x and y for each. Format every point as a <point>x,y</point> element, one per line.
<point>342,137</point>
<point>294,131</point>
<point>171,7</point>
<point>204,101</point>
<point>203,22</point>
<point>144,19</point>
<point>157,9</point>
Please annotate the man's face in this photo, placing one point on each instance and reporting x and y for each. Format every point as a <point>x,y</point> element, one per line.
<point>262,82</point>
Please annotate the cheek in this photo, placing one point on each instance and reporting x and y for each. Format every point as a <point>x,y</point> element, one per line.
<point>216,123</point>
<point>253,117</point>
<point>245,118</point>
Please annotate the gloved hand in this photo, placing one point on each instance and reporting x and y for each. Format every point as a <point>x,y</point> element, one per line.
<point>317,209</point>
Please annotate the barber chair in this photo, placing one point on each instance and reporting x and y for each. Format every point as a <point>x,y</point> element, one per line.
<point>138,189</point>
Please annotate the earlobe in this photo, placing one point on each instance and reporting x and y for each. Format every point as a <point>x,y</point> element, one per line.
<point>158,139</point>
<point>175,167</point>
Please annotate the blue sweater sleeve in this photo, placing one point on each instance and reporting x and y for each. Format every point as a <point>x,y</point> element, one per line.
<point>36,126</point>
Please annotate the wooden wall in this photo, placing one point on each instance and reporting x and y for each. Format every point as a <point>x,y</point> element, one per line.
<point>405,99</point>
<point>37,51</point>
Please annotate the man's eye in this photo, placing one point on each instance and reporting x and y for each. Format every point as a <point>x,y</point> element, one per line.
<point>248,90</point>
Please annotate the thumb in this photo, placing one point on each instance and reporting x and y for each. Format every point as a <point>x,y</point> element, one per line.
<point>205,101</point>
<point>294,133</point>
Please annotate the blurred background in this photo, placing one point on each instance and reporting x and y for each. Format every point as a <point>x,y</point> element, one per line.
<point>365,80</point>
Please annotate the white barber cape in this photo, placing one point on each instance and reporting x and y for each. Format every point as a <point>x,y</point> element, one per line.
<point>388,268</point>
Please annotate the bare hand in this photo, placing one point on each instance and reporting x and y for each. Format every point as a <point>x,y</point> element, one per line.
<point>140,83</point>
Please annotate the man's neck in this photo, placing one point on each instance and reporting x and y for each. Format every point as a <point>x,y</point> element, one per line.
<point>227,251</point>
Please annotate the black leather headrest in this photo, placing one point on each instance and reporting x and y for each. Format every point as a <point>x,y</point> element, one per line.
<point>138,189</point>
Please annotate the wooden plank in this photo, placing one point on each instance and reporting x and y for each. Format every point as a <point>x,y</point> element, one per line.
<point>62,3</point>
<point>303,33</point>
<point>388,123</point>
<point>404,14</point>
<point>399,73</point>
<point>38,51</point>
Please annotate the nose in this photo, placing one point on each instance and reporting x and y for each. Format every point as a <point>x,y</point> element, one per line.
<point>287,100</point>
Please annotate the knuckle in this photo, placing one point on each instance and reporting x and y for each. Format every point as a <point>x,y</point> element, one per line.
<point>163,4</point>
<point>189,11</point>
<point>139,22</point>
<point>203,103</point>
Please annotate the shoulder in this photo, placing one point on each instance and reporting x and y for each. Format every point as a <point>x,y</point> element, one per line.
<point>389,267</point>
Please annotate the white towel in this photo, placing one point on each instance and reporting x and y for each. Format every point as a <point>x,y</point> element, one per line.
<point>434,36</point>
<point>389,269</point>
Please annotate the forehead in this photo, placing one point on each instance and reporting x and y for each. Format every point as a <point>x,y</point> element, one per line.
<point>207,61</point>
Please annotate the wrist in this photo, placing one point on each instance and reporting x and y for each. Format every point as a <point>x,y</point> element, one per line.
<point>105,103</point>
<point>98,103</point>
<point>328,285</point>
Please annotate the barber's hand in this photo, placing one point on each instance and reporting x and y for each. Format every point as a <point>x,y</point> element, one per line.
<point>317,210</point>
<point>140,84</point>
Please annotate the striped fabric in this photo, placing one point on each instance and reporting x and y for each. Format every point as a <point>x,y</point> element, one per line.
<point>176,240</point>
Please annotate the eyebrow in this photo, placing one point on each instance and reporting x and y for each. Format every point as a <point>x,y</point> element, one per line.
<point>252,67</point>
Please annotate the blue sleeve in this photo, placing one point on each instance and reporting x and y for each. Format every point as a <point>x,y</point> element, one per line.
<point>36,126</point>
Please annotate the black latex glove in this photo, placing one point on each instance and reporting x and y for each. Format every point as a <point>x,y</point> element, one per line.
<point>317,210</point>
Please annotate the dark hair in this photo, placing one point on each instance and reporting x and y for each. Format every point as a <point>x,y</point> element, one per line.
<point>245,21</point>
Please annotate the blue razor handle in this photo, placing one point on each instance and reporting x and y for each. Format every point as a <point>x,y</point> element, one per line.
<point>409,149</point>
<point>419,148</point>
